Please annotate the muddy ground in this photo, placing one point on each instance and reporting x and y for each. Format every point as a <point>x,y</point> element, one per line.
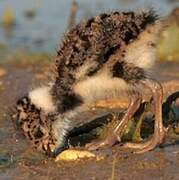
<point>19,161</point>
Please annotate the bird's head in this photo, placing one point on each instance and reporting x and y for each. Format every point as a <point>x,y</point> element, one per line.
<point>36,122</point>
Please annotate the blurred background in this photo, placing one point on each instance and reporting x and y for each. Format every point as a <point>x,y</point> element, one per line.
<point>30,31</point>
<point>38,25</point>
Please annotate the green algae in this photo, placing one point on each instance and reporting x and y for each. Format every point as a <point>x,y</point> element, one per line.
<point>168,47</point>
<point>23,58</point>
<point>4,161</point>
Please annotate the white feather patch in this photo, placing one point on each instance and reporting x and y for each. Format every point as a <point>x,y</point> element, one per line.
<point>62,125</point>
<point>101,86</point>
<point>60,129</point>
<point>41,98</point>
<point>140,52</point>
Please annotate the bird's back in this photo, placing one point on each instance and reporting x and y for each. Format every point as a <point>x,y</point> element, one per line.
<point>92,44</point>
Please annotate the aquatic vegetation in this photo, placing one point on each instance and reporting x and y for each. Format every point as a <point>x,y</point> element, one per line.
<point>168,47</point>
<point>5,160</point>
<point>30,58</point>
<point>8,19</point>
<point>21,58</point>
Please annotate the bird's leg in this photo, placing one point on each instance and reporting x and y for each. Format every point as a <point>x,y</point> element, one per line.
<point>137,132</point>
<point>159,130</point>
<point>119,130</point>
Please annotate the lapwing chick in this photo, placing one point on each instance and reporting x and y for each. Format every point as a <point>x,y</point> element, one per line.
<point>97,60</point>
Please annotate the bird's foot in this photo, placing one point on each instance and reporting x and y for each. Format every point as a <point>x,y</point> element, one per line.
<point>108,142</point>
<point>157,139</point>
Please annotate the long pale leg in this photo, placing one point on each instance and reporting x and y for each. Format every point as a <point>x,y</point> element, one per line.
<point>159,130</point>
<point>119,130</point>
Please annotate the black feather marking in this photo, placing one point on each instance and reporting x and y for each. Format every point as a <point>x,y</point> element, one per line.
<point>128,72</point>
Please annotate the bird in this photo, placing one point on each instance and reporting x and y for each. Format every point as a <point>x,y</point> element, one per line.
<point>97,59</point>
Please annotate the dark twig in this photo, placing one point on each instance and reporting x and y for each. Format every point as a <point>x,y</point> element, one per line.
<point>73,12</point>
<point>167,105</point>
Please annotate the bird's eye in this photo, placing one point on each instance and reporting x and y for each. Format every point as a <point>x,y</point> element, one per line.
<point>150,43</point>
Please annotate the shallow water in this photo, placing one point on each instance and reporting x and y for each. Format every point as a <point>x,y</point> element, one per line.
<point>46,28</point>
<point>19,161</point>
<point>42,33</point>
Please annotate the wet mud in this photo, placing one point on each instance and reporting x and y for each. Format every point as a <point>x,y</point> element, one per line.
<point>19,161</point>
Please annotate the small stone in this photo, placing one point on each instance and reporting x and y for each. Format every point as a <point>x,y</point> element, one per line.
<point>2,72</point>
<point>72,155</point>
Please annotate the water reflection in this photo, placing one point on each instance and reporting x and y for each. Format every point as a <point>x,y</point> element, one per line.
<point>40,24</point>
